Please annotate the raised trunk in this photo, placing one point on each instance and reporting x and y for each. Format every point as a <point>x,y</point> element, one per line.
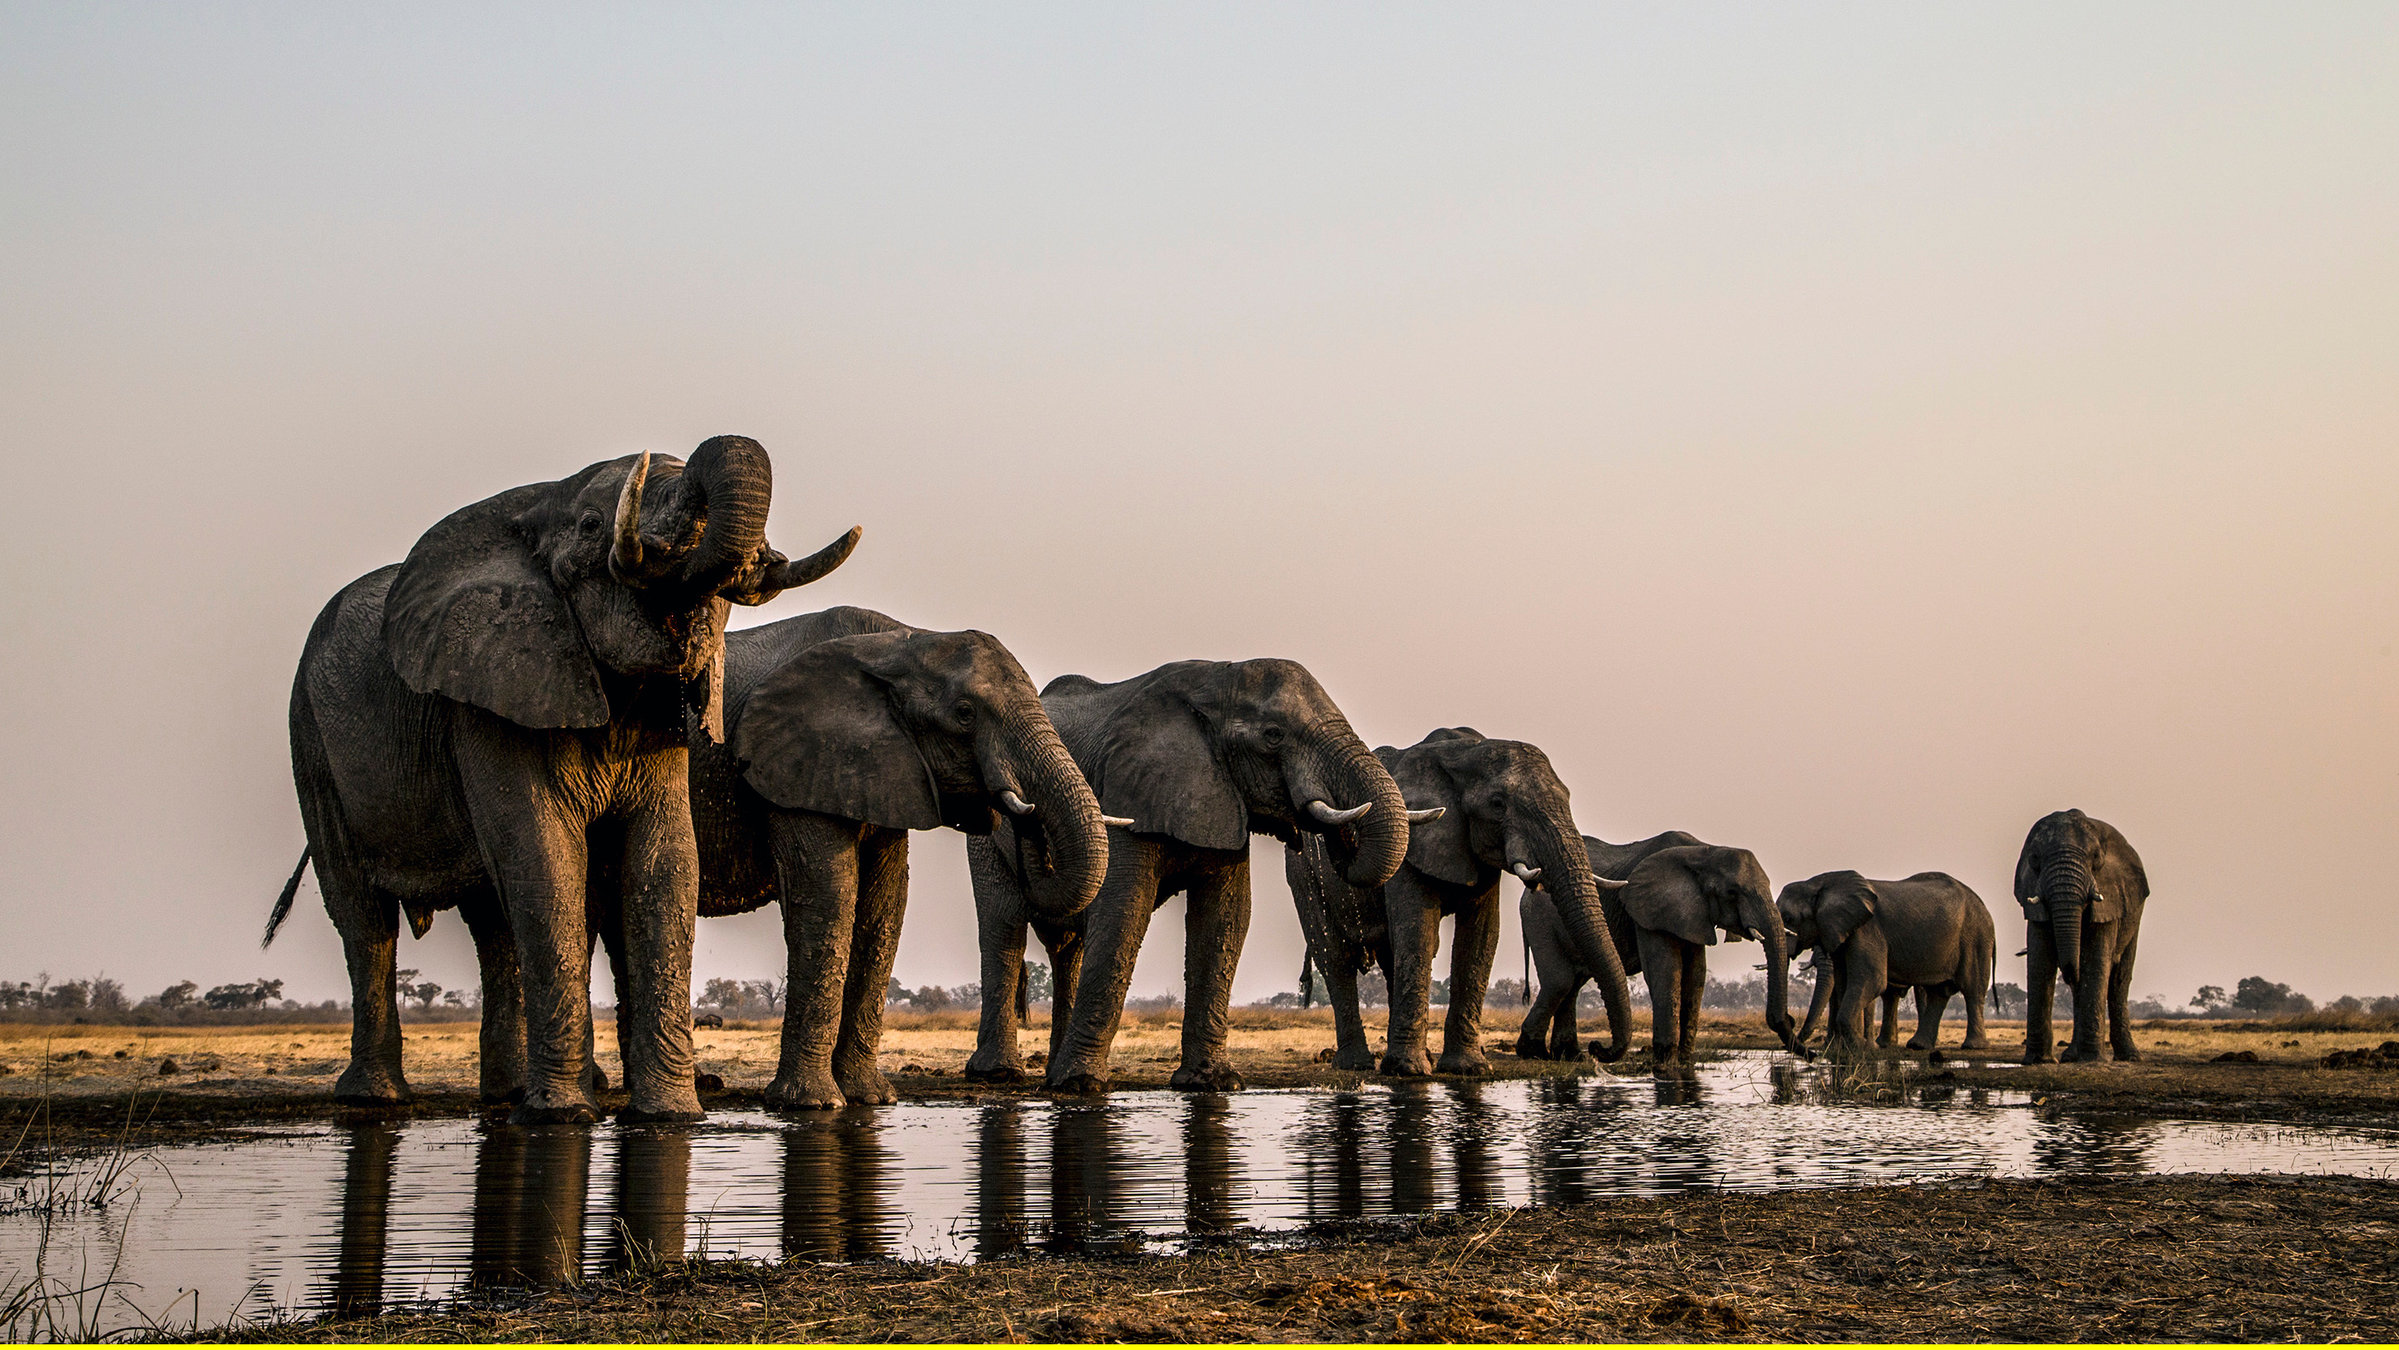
<point>729,482</point>
<point>1065,809</point>
<point>1557,849</point>
<point>1354,775</point>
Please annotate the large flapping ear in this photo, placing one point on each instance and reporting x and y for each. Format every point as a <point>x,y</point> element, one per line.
<point>1152,762</point>
<point>2028,876</point>
<point>819,734</point>
<point>2117,874</point>
<point>1848,902</point>
<point>1439,847</point>
<point>474,616</point>
<point>1665,897</point>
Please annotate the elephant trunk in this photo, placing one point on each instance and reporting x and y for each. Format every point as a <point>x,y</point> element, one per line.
<point>729,483</point>
<point>1821,996</point>
<point>1557,849</point>
<point>1778,980</point>
<point>1064,807</point>
<point>2065,887</point>
<point>1354,776</point>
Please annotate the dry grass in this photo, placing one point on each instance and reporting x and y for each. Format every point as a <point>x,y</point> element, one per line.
<point>2153,1259</point>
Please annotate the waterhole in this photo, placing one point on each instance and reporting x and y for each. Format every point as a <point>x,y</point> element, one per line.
<point>372,1217</point>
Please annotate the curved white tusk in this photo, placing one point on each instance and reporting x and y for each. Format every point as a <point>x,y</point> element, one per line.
<point>1323,810</point>
<point>1526,873</point>
<point>625,554</point>
<point>1428,815</point>
<point>1017,806</point>
<point>1608,883</point>
<point>1120,822</point>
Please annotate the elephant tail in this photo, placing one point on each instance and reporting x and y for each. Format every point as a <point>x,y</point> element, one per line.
<point>283,902</point>
<point>1024,998</point>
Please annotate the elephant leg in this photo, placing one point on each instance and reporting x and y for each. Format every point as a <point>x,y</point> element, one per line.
<point>369,922</point>
<point>816,858</point>
<point>2040,987</point>
<point>882,905</point>
<point>1819,998</point>
<point>2119,995</point>
<point>659,918</point>
<point>1112,931</point>
<point>1329,954</point>
<point>1662,966</point>
<point>1890,1024</point>
<point>1695,989</point>
<point>1931,1002</point>
<point>1854,992</point>
<point>1469,980</point>
<point>1066,975</point>
<point>1977,990</point>
<point>1532,1039</point>
<point>1000,912</point>
<point>2090,998</point>
<point>502,1066</point>
<point>1216,924</point>
<point>1565,1030</point>
<point>1413,914</point>
<point>1350,1049</point>
<point>612,944</point>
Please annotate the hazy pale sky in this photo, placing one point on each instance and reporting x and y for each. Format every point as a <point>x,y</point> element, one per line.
<point>1847,432</point>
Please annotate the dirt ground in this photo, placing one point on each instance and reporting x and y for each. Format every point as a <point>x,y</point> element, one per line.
<point>2153,1259</point>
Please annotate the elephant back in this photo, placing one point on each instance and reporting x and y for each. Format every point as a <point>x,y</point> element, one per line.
<point>752,654</point>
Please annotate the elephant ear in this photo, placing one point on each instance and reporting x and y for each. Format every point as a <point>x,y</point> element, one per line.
<point>1665,897</point>
<point>2117,873</point>
<point>474,616</point>
<point>1155,766</point>
<point>1437,848</point>
<point>1845,908</point>
<point>818,733</point>
<point>2028,881</point>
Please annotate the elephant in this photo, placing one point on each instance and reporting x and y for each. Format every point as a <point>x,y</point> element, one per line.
<point>1485,808</point>
<point>2083,889</point>
<point>498,725</point>
<point>1199,755</point>
<point>1666,917</point>
<point>1549,1024</point>
<point>845,730</point>
<point>1004,912</point>
<point>1929,932</point>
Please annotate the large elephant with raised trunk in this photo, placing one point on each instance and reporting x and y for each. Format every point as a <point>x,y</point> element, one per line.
<point>1929,932</point>
<point>1199,756</point>
<point>1549,1030</point>
<point>498,724</point>
<point>846,730</point>
<point>2083,889</point>
<point>1494,808</point>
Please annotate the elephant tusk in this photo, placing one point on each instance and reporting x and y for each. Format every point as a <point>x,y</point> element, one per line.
<point>1017,806</point>
<point>1323,811</point>
<point>1428,815</point>
<point>625,554</point>
<point>1526,873</point>
<point>1608,883</point>
<point>785,576</point>
<point>1120,822</point>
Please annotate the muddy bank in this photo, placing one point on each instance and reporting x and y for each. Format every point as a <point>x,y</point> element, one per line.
<point>2153,1259</point>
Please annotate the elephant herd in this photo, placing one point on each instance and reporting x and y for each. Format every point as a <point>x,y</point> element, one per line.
<point>539,719</point>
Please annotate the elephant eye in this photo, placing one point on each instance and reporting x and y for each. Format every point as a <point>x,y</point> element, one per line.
<point>964,713</point>
<point>590,524</point>
<point>1274,735</point>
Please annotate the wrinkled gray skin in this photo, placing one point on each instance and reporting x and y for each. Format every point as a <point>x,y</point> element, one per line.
<point>1673,904</point>
<point>1503,810</point>
<point>1929,932</point>
<point>1347,933</point>
<point>498,724</point>
<point>1006,881</point>
<point>1199,755</point>
<point>1549,1030</point>
<point>2083,889</point>
<point>845,730</point>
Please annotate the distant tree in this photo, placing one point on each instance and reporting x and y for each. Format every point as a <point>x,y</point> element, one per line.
<point>1038,988</point>
<point>2209,998</point>
<point>931,998</point>
<point>1507,994</point>
<point>236,997</point>
<point>423,992</point>
<point>894,991</point>
<point>107,995</point>
<point>1440,993</point>
<point>71,996</point>
<point>1373,990</point>
<point>2263,997</point>
<point>15,994</point>
<point>178,995</point>
<point>456,998</point>
<point>2007,1000</point>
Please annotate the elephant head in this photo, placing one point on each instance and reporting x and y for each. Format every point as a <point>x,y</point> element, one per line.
<point>1209,752</point>
<point>1693,891</point>
<point>914,730</point>
<point>2074,867</point>
<point>539,603</point>
<point>1502,808</point>
<point>1821,912</point>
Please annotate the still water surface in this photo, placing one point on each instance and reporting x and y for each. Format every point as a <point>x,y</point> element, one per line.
<point>365,1217</point>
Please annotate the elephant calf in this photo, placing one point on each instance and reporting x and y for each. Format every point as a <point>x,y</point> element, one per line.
<point>845,730</point>
<point>1929,932</point>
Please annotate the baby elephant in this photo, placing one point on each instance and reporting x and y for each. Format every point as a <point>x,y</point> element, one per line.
<point>1929,932</point>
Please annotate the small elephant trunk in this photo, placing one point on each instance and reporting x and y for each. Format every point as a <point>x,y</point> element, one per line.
<point>1566,875</point>
<point>1066,811</point>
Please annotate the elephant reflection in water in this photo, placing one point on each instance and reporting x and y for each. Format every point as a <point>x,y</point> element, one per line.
<point>1564,1130</point>
<point>835,1190</point>
<point>1085,1168</point>
<point>530,1190</point>
<point>1000,1182</point>
<point>653,1198</point>
<point>1419,1124</point>
<point>2094,1146</point>
<point>366,1220</point>
<point>1332,1160</point>
<point>1209,1203</point>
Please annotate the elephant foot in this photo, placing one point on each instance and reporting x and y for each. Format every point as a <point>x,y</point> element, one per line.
<point>2126,1054</point>
<point>2037,1056</point>
<point>1080,1082</point>
<point>1205,1078</point>
<point>993,1070</point>
<point>497,1097</point>
<point>651,1115</point>
<point>1919,1046</point>
<point>595,1079</point>
<point>804,1092</point>
<point>1464,1063</point>
<point>371,1089</point>
<point>866,1086</point>
<point>1528,1049</point>
<point>1975,1043</point>
<point>1354,1061</point>
<point>556,1113</point>
<point>1406,1064</point>
<point>1668,1068</point>
<point>2075,1054</point>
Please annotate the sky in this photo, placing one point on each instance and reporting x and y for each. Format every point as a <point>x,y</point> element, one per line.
<point>1846,432</point>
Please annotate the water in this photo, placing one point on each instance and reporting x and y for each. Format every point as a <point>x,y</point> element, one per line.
<point>375,1216</point>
